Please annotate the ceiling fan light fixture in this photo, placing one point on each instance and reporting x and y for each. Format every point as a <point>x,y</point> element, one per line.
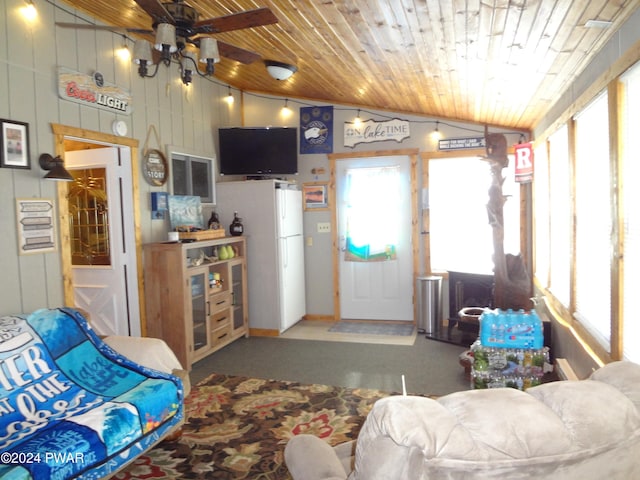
<point>209,53</point>
<point>188,66</point>
<point>280,70</point>
<point>209,50</point>
<point>142,56</point>
<point>142,52</point>
<point>166,38</point>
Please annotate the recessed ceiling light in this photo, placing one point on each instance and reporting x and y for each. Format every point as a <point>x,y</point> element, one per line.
<point>597,24</point>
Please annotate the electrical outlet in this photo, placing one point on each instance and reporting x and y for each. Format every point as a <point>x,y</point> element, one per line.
<point>324,227</point>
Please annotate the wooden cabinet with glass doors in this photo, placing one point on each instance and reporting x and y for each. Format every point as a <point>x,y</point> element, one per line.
<point>196,295</point>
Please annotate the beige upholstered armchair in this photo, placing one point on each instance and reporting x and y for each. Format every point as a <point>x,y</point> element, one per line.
<point>587,429</point>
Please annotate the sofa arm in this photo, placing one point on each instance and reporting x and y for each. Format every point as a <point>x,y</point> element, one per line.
<point>152,353</point>
<point>309,458</point>
<point>186,380</point>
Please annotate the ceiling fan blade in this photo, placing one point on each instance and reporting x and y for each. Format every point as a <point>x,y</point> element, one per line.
<point>236,21</point>
<point>88,26</point>
<point>156,10</point>
<point>236,53</point>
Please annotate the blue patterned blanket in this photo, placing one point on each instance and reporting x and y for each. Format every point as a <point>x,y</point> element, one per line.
<point>70,406</point>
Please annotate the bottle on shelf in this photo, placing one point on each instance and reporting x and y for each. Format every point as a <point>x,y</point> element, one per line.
<point>236,228</point>
<point>214,221</point>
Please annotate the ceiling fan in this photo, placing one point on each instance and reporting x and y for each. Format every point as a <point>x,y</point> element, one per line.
<point>176,25</point>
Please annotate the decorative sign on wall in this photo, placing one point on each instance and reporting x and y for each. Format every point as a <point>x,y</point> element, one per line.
<point>461,143</point>
<point>36,232</point>
<point>93,91</point>
<point>524,162</point>
<point>371,131</point>
<point>316,130</point>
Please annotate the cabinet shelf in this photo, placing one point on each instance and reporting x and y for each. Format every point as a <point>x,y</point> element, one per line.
<point>197,325</point>
<point>207,263</point>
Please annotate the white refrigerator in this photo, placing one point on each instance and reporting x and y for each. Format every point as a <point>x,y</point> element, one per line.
<point>271,212</point>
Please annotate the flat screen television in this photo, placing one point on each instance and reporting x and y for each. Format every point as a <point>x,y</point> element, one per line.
<point>262,151</point>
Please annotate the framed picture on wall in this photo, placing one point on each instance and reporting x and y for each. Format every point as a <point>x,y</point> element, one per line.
<point>14,144</point>
<point>315,195</point>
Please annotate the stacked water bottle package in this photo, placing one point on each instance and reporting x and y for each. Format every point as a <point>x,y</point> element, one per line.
<point>509,351</point>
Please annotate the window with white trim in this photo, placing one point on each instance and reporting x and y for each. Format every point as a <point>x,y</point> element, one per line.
<point>630,172</point>
<point>541,214</point>
<point>593,220</point>
<point>560,221</point>
<point>461,238</point>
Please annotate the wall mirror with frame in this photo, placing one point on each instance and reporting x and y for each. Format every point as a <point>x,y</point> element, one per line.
<point>192,173</point>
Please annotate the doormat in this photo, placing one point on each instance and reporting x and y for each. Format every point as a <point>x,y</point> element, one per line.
<point>373,328</point>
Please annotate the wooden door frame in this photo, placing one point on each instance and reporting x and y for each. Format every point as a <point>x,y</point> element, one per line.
<point>62,135</point>
<point>412,153</point>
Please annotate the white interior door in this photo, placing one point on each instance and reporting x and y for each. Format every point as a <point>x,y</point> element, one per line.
<point>104,269</point>
<point>374,229</point>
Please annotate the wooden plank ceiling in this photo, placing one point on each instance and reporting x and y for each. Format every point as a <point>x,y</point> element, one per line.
<point>499,62</point>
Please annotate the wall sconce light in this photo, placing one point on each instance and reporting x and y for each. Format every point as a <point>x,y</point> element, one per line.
<point>123,53</point>
<point>436,134</point>
<point>357,122</point>
<point>55,166</point>
<point>229,98</point>
<point>29,11</point>
<point>280,70</point>
<point>286,112</point>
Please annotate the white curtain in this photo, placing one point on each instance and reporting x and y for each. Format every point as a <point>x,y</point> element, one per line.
<point>373,198</point>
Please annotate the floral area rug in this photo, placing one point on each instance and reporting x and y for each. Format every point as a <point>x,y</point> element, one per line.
<point>237,428</point>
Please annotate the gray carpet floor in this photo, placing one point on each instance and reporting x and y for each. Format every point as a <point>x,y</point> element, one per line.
<point>430,367</point>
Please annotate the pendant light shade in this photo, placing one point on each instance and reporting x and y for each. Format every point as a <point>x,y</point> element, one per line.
<point>142,51</point>
<point>209,53</point>
<point>166,37</point>
<point>209,50</point>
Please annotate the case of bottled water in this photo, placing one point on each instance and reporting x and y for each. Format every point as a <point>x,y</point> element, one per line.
<point>509,329</point>
<point>510,350</point>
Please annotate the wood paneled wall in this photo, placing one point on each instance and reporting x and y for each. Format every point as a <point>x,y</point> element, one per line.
<point>30,54</point>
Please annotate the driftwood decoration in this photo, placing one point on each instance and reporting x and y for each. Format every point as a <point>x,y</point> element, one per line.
<point>512,283</point>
